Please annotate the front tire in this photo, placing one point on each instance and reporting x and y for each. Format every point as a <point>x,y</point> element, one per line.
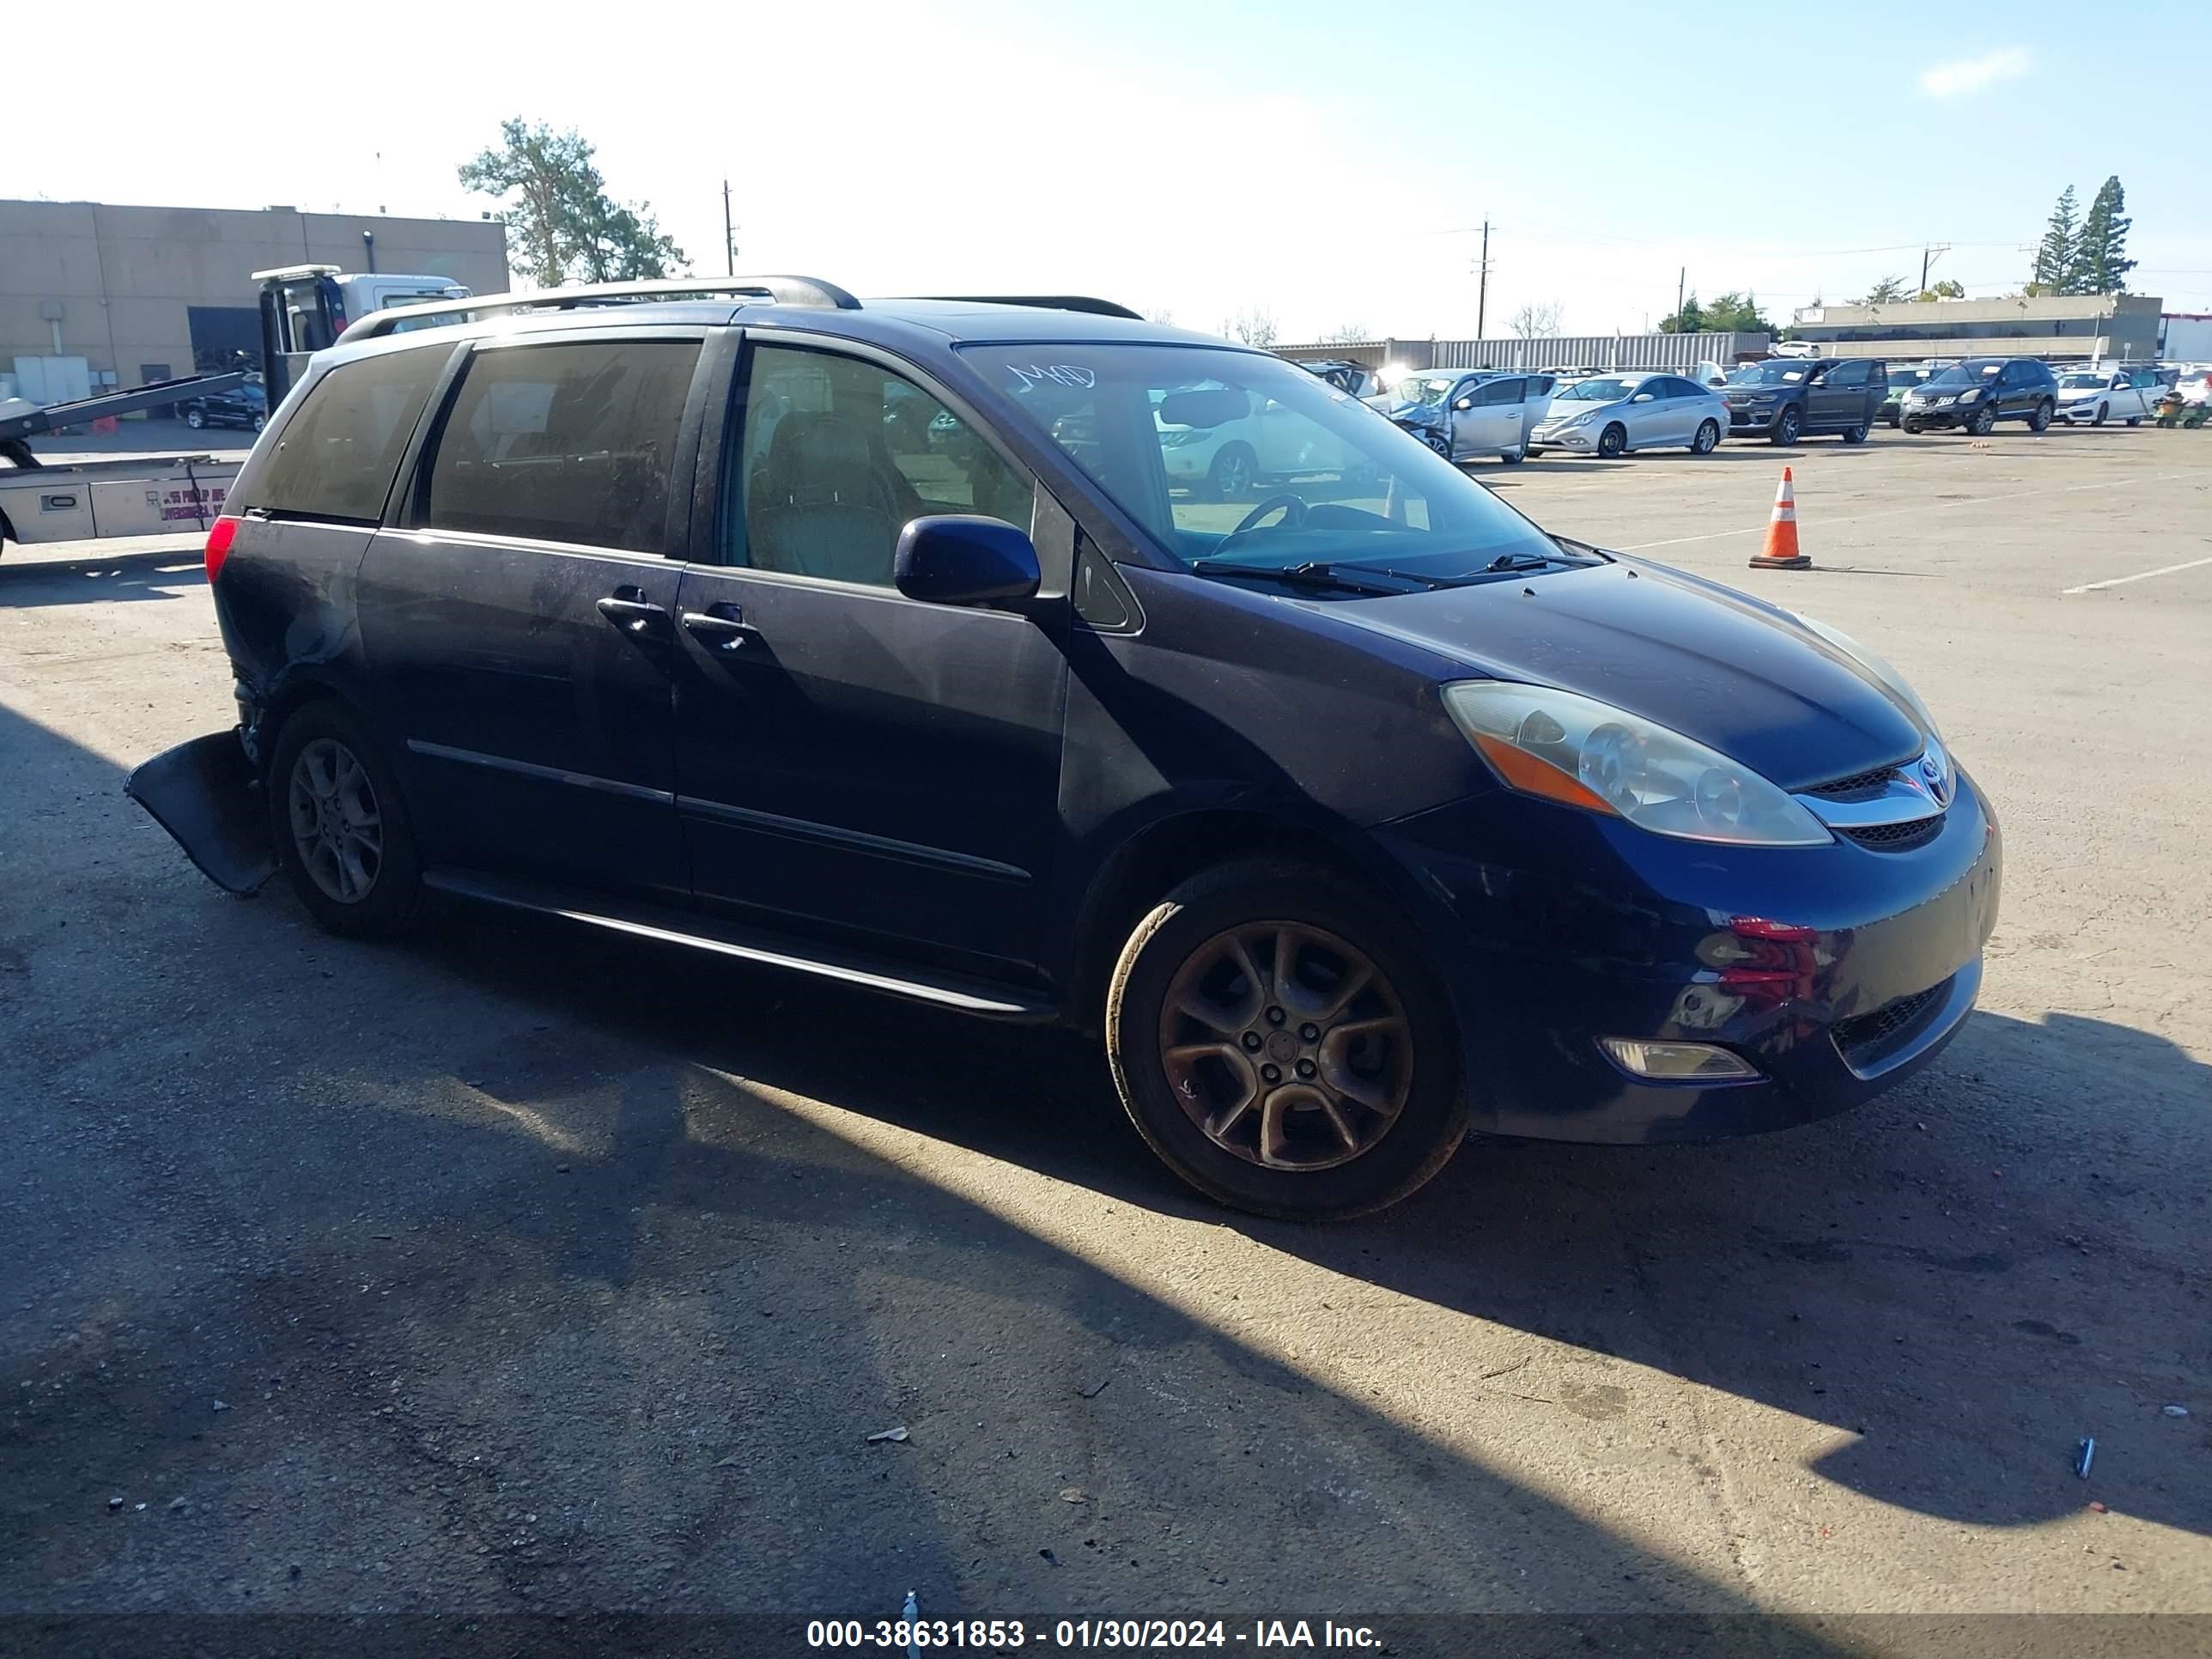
<point>1231,476</point>
<point>1708,439</point>
<point>2041,420</point>
<point>1855,434</point>
<point>2103,409</point>
<point>1913,428</point>
<point>340,827</point>
<point>195,418</point>
<point>1279,1041</point>
<point>1512,457</point>
<point>1789,426</point>
<point>1984,421</point>
<point>1613,442</point>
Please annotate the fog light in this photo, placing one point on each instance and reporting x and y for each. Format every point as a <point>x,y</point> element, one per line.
<point>1676,1062</point>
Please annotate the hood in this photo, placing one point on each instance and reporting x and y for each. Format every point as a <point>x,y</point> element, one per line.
<point>1566,408</point>
<point>1413,414</point>
<point>2082,394</point>
<point>1734,673</point>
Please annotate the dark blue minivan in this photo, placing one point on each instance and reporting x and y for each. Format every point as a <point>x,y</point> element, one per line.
<point>895,642</point>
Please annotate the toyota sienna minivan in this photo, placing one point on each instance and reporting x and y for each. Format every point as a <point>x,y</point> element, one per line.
<point>1350,817</point>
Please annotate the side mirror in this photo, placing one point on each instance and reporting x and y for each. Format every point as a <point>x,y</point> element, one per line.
<point>1464,402</point>
<point>961,558</point>
<point>1643,397</point>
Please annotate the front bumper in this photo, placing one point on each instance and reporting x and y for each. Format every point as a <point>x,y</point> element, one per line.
<point>1751,422</point>
<point>1837,971</point>
<point>1564,437</point>
<point>2082,413</point>
<point>1938,415</point>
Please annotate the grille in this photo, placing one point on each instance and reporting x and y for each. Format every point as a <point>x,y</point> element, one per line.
<point>1857,1037</point>
<point>1860,786</point>
<point>1897,837</point>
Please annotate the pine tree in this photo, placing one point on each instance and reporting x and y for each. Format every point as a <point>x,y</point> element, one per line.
<point>2054,256</point>
<point>2100,261</point>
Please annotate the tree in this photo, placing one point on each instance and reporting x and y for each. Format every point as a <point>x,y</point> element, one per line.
<point>1946,289</point>
<point>561,226</point>
<point>1537,322</point>
<point>1888,291</point>
<point>1348,334</point>
<point>2060,250</point>
<point>2100,261</point>
<point>1164,316</point>
<point>1256,326</point>
<point>1729,314</point>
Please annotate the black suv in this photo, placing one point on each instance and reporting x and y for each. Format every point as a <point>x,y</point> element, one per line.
<point>1982,390</point>
<point>886,642</point>
<point>246,405</point>
<point>1786,398</point>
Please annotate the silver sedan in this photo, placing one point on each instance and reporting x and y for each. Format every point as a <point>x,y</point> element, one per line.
<point>1609,415</point>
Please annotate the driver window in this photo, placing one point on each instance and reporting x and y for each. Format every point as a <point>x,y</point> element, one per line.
<point>838,454</point>
<point>1501,391</point>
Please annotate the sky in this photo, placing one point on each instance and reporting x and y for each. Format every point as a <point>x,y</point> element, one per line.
<point>1324,163</point>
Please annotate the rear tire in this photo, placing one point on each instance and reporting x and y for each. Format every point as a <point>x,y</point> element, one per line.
<point>1286,1145</point>
<point>1708,439</point>
<point>2134,420</point>
<point>340,828</point>
<point>1512,457</point>
<point>1855,434</point>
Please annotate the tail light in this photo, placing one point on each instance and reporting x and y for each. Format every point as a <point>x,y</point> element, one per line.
<point>223,533</point>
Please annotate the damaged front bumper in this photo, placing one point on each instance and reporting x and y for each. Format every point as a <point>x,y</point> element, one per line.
<point>207,794</point>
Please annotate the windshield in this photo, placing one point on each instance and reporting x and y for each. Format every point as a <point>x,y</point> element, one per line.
<point>1428,389</point>
<point>2082,382</point>
<point>1906,377</point>
<point>1966,373</point>
<point>1788,372</point>
<point>1220,454</point>
<point>1606,389</point>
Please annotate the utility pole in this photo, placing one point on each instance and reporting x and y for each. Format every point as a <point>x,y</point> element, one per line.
<point>729,235</point>
<point>1482,284</point>
<point>1681,289</point>
<point>1929,255</point>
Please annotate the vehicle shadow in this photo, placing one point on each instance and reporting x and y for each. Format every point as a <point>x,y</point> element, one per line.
<point>148,574</point>
<point>506,1271</point>
<point>1953,1276</point>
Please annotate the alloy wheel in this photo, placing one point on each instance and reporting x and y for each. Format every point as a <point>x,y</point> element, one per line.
<point>1286,1046</point>
<point>337,826</point>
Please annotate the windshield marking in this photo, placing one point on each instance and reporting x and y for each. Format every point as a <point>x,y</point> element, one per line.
<point>1068,374</point>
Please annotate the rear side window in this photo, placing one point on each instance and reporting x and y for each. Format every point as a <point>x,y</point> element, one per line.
<point>570,442</point>
<point>335,458</point>
<point>1501,391</point>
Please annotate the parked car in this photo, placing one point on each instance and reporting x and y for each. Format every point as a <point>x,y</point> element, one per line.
<point>1465,414</point>
<point>1347,823</point>
<point>1611,415</point>
<point>2090,396</point>
<point>244,405</point>
<point>1902,378</point>
<point>1230,458</point>
<point>1355,380</point>
<point>2194,384</point>
<point>1977,394</point>
<point>1786,398</point>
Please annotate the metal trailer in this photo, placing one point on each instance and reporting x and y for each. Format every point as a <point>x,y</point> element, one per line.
<point>140,496</point>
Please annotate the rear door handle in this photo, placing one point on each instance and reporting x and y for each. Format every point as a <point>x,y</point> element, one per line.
<point>723,627</point>
<point>627,609</point>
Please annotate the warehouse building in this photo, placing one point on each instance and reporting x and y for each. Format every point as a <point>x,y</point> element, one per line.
<point>2059,328</point>
<point>94,297</point>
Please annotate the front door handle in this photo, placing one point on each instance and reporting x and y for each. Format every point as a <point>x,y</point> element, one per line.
<point>627,609</point>
<point>722,627</point>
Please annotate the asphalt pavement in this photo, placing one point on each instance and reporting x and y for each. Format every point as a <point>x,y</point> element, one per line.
<point>518,1269</point>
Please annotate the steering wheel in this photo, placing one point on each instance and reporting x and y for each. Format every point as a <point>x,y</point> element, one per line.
<point>1294,514</point>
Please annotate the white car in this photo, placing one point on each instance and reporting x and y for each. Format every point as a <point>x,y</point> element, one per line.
<point>2091,396</point>
<point>1228,462</point>
<point>1609,415</point>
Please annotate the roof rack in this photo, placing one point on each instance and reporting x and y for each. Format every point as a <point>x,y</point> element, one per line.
<point>1043,302</point>
<point>782,290</point>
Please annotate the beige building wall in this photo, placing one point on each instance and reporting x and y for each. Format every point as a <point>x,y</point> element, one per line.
<point>124,277</point>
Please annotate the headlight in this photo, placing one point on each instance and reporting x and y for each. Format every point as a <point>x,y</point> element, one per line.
<point>1583,420</point>
<point>1581,752</point>
<point>1883,674</point>
<point>1970,394</point>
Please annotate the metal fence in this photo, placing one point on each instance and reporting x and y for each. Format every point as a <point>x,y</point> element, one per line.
<point>1604,351</point>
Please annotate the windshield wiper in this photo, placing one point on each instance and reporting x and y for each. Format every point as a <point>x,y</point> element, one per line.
<point>1312,574</point>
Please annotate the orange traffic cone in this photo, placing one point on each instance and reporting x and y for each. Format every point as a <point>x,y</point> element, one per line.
<point>1781,552</point>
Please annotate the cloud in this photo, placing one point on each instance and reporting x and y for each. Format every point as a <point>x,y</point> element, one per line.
<point>1972,74</point>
